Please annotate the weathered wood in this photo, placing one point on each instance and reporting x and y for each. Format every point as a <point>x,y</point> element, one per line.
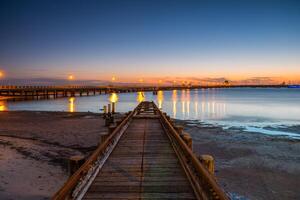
<point>143,163</point>
<point>144,157</point>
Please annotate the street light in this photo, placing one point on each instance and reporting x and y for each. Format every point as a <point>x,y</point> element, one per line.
<point>71,77</point>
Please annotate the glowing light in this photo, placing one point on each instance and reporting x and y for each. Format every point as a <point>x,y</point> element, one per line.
<point>188,108</point>
<point>183,108</point>
<point>174,99</point>
<point>141,80</point>
<point>1,74</point>
<point>183,102</point>
<point>140,97</point>
<point>71,104</point>
<point>160,98</point>
<point>113,98</point>
<point>113,78</point>
<point>71,77</point>
<point>196,109</point>
<point>3,106</point>
<point>160,81</point>
<point>188,96</point>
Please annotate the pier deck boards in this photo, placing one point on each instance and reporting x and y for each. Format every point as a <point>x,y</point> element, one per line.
<point>142,166</point>
<point>144,157</point>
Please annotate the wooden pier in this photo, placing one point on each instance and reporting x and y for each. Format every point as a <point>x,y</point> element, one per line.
<point>45,92</point>
<point>145,157</point>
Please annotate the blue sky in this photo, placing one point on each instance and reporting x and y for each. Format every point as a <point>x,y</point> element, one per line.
<point>132,39</point>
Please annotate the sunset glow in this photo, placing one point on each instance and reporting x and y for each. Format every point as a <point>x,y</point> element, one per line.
<point>156,99</point>
<point>71,77</point>
<point>199,42</point>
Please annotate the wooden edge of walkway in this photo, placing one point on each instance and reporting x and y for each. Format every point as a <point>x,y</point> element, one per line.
<point>200,181</point>
<point>71,183</point>
<point>203,183</point>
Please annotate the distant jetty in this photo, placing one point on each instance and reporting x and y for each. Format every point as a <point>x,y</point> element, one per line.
<point>46,92</point>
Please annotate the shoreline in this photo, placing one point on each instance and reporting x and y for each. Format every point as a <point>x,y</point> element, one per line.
<point>249,165</point>
<point>38,143</point>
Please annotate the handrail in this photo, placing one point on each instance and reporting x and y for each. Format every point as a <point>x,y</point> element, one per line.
<point>202,181</point>
<point>211,185</point>
<point>72,182</point>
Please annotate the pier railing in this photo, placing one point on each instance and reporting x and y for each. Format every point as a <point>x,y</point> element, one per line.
<point>79,181</point>
<point>204,184</point>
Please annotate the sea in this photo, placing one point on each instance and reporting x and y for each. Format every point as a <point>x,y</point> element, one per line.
<point>270,111</point>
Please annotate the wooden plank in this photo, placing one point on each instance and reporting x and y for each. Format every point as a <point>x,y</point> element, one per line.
<point>140,196</point>
<point>142,166</point>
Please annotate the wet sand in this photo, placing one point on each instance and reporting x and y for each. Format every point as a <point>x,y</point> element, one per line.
<point>250,165</point>
<point>34,148</point>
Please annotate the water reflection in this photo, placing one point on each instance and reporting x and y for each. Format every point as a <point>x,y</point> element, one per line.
<point>140,97</point>
<point>3,106</point>
<point>188,94</point>
<point>174,101</point>
<point>203,104</point>
<point>71,104</point>
<point>113,98</point>
<point>160,98</point>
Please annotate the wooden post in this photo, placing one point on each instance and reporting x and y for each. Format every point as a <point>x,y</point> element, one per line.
<point>208,162</point>
<point>107,120</point>
<point>168,117</point>
<point>111,129</point>
<point>75,163</point>
<point>179,129</point>
<point>113,108</point>
<point>108,108</point>
<point>171,122</point>
<point>187,139</point>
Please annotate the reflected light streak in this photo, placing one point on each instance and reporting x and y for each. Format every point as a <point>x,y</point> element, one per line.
<point>188,95</point>
<point>183,102</point>
<point>160,98</point>
<point>202,108</point>
<point>113,98</point>
<point>183,108</point>
<point>174,100</point>
<point>188,108</point>
<point>71,104</point>
<point>196,109</point>
<point>3,106</point>
<point>140,97</point>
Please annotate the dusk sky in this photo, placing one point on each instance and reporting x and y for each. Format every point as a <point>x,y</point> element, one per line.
<point>95,40</point>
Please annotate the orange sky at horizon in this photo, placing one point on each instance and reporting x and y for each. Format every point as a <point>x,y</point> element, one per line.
<point>237,76</point>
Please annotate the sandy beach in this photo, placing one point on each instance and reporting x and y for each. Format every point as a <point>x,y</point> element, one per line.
<point>35,146</point>
<point>250,165</point>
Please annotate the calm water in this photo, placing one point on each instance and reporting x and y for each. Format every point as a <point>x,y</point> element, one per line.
<point>253,109</point>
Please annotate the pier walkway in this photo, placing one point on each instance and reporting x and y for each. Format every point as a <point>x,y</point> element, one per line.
<point>143,158</point>
<point>46,92</point>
